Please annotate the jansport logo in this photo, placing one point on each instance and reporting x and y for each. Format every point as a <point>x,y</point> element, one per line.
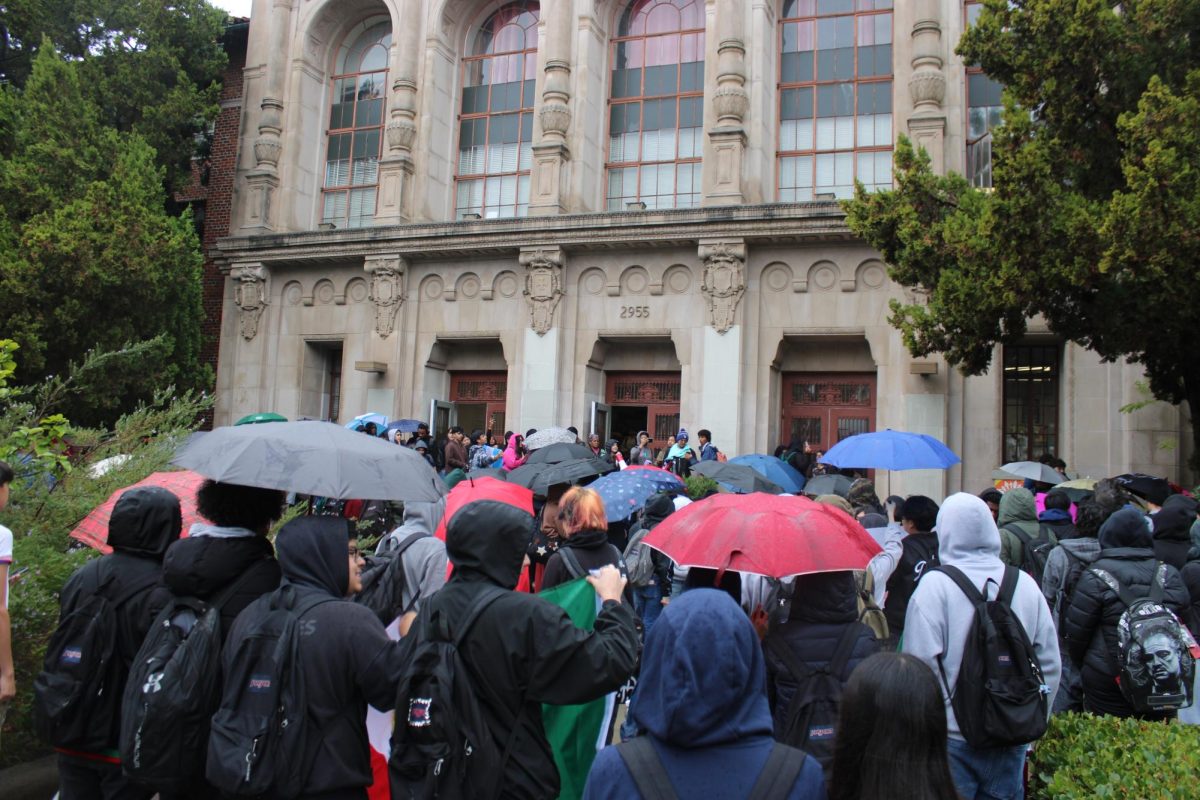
<point>71,655</point>
<point>260,683</point>
<point>822,732</point>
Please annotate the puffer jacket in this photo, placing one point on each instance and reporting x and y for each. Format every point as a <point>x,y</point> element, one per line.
<point>1172,528</point>
<point>1191,579</point>
<point>824,606</point>
<point>1089,624</point>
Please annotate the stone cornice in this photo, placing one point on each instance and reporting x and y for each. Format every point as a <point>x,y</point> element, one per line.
<point>821,221</point>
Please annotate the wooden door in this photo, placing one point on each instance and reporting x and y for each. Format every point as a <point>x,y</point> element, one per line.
<point>824,408</point>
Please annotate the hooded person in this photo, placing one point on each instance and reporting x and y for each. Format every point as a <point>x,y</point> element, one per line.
<point>1018,510</point>
<point>1090,622</point>
<point>702,702</point>
<point>409,563</point>
<point>918,553</point>
<point>862,498</point>
<point>1191,579</point>
<point>522,650</point>
<point>1172,529</point>
<point>347,658</point>
<point>649,593</point>
<point>642,452</point>
<point>1056,516</point>
<point>823,620</point>
<point>938,623</point>
<point>144,522</point>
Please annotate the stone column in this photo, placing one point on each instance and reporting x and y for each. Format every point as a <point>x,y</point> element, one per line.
<point>551,156</point>
<point>250,294</point>
<point>720,342</point>
<point>262,182</point>
<point>731,103</point>
<point>543,339</point>
<point>927,84</point>
<point>396,166</point>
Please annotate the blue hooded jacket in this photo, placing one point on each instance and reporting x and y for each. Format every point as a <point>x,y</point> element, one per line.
<point>702,700</point>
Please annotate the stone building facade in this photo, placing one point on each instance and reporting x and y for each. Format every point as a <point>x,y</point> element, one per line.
<point>621,215</point>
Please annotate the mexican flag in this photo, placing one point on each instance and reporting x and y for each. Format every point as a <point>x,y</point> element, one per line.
<point>576,733</point>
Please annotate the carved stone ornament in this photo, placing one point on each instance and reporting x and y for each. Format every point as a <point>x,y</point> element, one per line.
<point>387,291</point>
<point>731,102</point>
<point>250,295</point>
<point>400,133</point>
<point>927,86</point>
<point>267,150</point>
<point>555,117</point>
<point>543,287</point>
<point>724,282</point>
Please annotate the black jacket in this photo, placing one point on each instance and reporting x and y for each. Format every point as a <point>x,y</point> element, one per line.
<point>523,650</point>
<point>1089,625</point>
<point>823,606</point>
<point>144,522</point>
<point>201,566</point>
<point>920,553</point>
<point>1191,579</point>
<point>593,550</point>
<point>1172,530</point>
<point>347,657</point>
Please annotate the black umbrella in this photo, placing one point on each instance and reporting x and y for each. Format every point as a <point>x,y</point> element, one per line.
<point>1148,487</point>
<point>540,477</point>
<point>317,458</point>
<point>489,472</point>
<point>828,484</point>
<point>559,452</point>
<point>739,476</point>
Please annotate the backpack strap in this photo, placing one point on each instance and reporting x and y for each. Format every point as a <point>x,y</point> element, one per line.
<point>1112,583</point>
<point>474,611</point>
<point>572,562</point>
<point>964,583</point>
<point>646,768</point>
<point>1156,585</point>
<point>1008,586</point>
<point>1024,537</point>
<point>779,774</point>
<point>843,651</point>
<point>221,598</point>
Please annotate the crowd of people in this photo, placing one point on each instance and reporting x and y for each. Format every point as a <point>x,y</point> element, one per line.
<point>856,684</point>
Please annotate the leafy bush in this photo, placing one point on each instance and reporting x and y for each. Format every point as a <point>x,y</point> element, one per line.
<point>699,486</point>
<point>1085,756</point>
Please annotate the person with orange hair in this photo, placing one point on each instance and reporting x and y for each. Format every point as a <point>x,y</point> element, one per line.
<point>584,527</point>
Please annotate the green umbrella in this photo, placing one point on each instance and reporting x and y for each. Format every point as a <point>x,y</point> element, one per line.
<point>262,416</point>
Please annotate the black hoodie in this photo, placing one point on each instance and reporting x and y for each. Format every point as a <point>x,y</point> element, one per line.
<point>1172,529</point>
<point>347,657</point>
<point>144,522</point>
<point>526,649</point>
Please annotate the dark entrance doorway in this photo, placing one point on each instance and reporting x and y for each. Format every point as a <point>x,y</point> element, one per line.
<point>626,422</point>
<point>643,401</point>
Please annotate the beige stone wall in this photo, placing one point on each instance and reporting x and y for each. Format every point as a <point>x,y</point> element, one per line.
<point>633,289</point>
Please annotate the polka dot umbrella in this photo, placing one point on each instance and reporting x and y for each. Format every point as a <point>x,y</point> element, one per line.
<point>627,491</point>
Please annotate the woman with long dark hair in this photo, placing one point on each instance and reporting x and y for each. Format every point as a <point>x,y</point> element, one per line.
<point>891,738</point>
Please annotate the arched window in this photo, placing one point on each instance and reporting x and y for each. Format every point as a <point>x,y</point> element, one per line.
<point>495,126</point>
<point>356,125</point>
<point>835,97</point>
<point>656,105</point>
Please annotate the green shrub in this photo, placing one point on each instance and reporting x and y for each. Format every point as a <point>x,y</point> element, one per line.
<point>1085,756</point>
<point>699,486</point>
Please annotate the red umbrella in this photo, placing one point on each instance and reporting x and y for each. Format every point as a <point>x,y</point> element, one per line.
<point>471,489</point>
<point>763,534</point>
<point>93,530</point>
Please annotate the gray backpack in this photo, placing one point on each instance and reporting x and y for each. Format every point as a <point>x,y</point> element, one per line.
<point>639,560</point>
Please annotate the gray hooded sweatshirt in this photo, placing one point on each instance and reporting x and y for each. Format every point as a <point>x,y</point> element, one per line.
<point>425,559</point>
<point>939,616</point>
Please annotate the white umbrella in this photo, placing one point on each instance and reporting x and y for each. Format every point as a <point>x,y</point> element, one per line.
<point>547,436</point>
<point>1034,471</point>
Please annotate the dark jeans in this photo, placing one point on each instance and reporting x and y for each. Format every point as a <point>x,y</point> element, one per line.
<point>994,773</point>
<point>647,604</point>
<point>83,779</point>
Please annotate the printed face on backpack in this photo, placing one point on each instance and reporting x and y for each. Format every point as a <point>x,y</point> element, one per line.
<point>1160,657</point>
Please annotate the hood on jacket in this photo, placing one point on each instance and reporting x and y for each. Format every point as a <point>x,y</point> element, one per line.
<point>1017,505</point>
<point>658,508</point>
<point>828,597</point>
<point>862,495</point>
<point>1055,516</point>
<point>1126,528</point>
<point>1174,521</point>
<point>1084,548</point>
<point>144,522</point>
<point>489,538</point>
<point>703,679</point>
<point>966,530</point>
<point>312,552</point>
<point>423,517</point>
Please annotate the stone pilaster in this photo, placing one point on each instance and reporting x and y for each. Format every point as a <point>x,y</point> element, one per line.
<point>927,84</point>
<point>396,166</point>
<point>724,280</point>
<point>551,156</point>
<point>263,181</point>
<point>731,103</point>
<point>543,285</point>
<point>387,289</point>
<point>250,294</point>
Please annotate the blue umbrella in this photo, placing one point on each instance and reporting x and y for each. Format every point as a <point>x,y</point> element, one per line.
<point>405,425</point>
<point>891,449</point>
<point>360,422</point>
<point>626,491</point>
<point>773,469</point>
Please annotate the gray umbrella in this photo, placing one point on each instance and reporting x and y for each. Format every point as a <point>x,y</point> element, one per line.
<point>739,476</point>
<point>547,436</point>
<point>1034,471</point>
<point>559,452</point>
<point>317,458</point>
<point>828,484</point>
<point>540,477</point>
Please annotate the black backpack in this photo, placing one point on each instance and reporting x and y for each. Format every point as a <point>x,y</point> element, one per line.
<point>999,698</point>
<point>262,741</point>
<point>173,689</point>
<point>810,722</point>
<point>1157,666</point>
<point>1034,552</point>
<point>441,744</point>
<point>775,781</point>
<point>76,696</point>
<point>383,580</point>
